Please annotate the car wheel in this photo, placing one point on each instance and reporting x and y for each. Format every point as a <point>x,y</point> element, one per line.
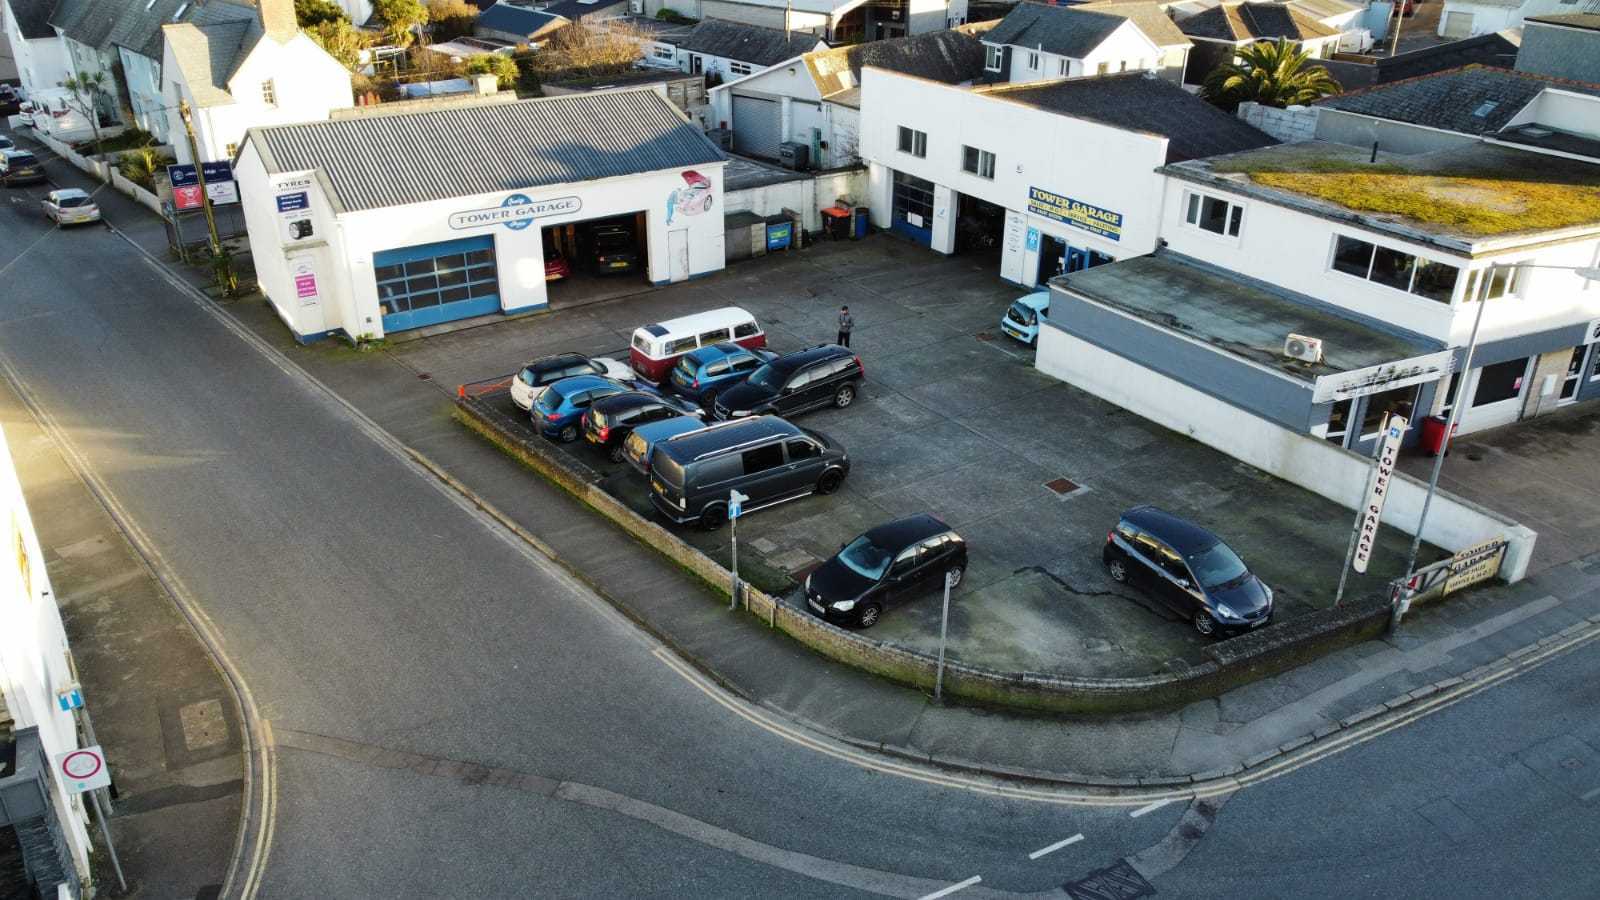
<point>616,453</point>
<point>712,517</point>
<point>830,481</point>
<point>953,575</point>
<point>1117,568</point>
<point>868,615</point>
<point>708,400</point>
<point>1204,624</point>
<point>844,396</point>
<point>568,434</point>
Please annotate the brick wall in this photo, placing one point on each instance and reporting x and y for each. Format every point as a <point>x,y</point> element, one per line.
<point>1292,125</point>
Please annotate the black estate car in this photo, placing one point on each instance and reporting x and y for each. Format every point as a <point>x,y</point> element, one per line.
<point>888,564</point>
<point>825,375</point>
<point>1187,568</point>
<point>610,420</point>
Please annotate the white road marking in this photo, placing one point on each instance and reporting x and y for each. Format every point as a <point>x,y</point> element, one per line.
<point>1056,846</point>
<point>1590,796</point>
<point>962,885</point>
<point>1151,807</point>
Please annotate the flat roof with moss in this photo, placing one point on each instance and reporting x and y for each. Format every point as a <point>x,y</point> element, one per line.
<point>1472,197</point>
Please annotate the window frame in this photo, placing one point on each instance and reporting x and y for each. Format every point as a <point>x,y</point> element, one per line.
<point>981,160</point>
<point>994,58</point>
<point>1194,205</point>
<point>1417,265</point>
<point>740,69</point>
<point>913,142</point>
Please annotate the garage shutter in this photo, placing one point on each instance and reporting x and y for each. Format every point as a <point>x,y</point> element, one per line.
<point>432,283</point>
<point>1458,24</point>
<point>757,126</point>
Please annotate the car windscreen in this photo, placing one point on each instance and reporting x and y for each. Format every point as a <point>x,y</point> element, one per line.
<point>768,377</point>
<point>19,160</point>
<point>866,558</point>
<point>528,376</point>
<point>551,399</point>
<point>665,468</point>
<point>1217,566</point>
<point>69,202</point>
<point>688,366</point>
<point>613,243</point>
<point>1023,314</point>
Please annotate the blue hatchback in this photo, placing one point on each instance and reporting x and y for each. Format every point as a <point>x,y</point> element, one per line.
<point>558,410</point>
<point>706,372</point>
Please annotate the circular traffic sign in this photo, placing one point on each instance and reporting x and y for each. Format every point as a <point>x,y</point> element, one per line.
<point>81,765</point>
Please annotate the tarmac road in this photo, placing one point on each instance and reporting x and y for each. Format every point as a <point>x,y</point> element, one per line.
<point>455,716</point>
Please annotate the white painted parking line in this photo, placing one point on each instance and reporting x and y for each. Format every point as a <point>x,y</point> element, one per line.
<point>1054,847</point>
<point>1150,808</point>
<point>962,885</point>
<point>1590,796</point>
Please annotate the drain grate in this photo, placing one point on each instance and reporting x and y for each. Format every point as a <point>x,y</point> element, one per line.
<point>1061,486</point>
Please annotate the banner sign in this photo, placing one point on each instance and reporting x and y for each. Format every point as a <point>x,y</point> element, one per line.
<point>1076,213</point>
<point>1384,377</point>
<point>516,212</point>
<point>1378,489</point>
<point>220,186</point>
<point>1475,564</point>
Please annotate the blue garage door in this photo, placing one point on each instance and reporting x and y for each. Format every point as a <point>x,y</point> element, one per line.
<point>912,200</point>
<point>432,283</point>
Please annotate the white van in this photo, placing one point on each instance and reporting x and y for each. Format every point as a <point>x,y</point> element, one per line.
<point>656,348</point>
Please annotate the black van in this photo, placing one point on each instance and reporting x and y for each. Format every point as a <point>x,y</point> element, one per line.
<point>764,458</point>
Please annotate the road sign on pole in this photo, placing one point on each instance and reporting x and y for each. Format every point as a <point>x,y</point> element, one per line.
<point>735,507</point>
<point>1365,532</point>
<point>944,626</point>
<point>83,769</point>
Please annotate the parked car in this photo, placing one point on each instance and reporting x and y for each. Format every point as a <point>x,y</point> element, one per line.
<point>889,564</point>
<point>656,348</point>
<point>6,143</point>
<point>1021,320</point>
<point>70,206</point>
<point>19,167</point>
<point>611,419</point>
<point>701,374</point>
<point>766,458</point>
<point>636,448</point>
<point>612,250</point>
<point>556,266</point>
<point>530,382</point>
<point>560,407</point>
<point>825,375</point>
<point>1188,569</point>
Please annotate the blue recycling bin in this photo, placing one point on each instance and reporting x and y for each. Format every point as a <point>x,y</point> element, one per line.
<point>780,234</point>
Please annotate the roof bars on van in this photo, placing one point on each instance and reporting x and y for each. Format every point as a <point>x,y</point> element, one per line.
<point>732,447</point>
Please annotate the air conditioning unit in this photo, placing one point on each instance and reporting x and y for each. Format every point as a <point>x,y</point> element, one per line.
<point>1305,349</point>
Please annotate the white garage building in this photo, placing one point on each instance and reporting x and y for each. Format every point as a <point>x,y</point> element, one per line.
<point>375,224</point>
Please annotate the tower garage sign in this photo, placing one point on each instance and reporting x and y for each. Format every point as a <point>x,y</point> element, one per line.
<point>516,212</point>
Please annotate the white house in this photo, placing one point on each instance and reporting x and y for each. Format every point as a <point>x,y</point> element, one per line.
<point>35,665</point>
<point>734,49</point>
<point>837,21</point>
<point>1468,18</point>
<point>138,41</point>
<point>348,241</point>
<point>1035,42</point>
<point>1060,174</point>
<point>238,75</point>
<point>39,53</point>
<point>85,27</point>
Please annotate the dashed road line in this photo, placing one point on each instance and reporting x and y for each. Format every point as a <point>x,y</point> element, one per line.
<point>1150,807</point>
<point>1056,846</point>
<point>1590,796</point>
<point>958,886</point>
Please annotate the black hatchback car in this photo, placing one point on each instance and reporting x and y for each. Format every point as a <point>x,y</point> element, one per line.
<point>1188,569</point>
<point>886,565</point>
<point>610,420</point>
<point>825,375</point>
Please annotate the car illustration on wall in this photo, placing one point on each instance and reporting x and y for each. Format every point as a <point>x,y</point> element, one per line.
<point>693,198</point>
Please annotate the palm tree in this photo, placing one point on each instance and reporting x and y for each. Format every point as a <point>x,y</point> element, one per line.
<point>1272,73</point>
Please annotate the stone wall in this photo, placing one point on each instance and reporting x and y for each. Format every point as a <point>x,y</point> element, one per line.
<point>1292,125</point>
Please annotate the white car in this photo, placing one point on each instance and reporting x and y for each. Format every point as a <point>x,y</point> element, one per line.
<point>533,378</point>
<point>70,206</point>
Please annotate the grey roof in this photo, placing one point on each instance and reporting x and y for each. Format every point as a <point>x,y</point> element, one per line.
<point>1239,315</point>
<point>1325,9</point>
<point>1533,134</point>
<point>1139,101</point>
<point>514,19</point>
<point>746,43</point>
<point>1585,21</point>
<point>397,160</point>
<point>1062,30</point>
<point>89,22</point>
<point>577,9</point>
<point>1570,50</point>
<point>209,55</point>
<point>33,18</point>
<point>1154,21</point>
<point>139,27</point>
<point>1236,22</point>
<point>948,57</point>
<point>1470,100</point>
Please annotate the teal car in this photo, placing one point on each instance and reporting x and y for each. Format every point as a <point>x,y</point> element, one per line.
<point>1021,320</point>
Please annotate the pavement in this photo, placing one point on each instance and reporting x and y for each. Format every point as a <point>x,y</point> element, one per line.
<point>163,712</point>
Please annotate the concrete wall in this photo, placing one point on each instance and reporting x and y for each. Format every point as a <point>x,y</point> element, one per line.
<point>1565,110</point>
<point>1342,127</point>
<point>1316,465</point>
<point>1291,125</point>
<point>806,196</point>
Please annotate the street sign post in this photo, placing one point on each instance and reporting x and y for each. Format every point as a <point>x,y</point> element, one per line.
<point>735,509</point>
<point>84,770</point>
<point>944,627</point>
<point>70,698</point>
<point>1368,518</point>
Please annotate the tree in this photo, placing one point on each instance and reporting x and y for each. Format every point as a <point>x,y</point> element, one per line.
<point>311,13</point>
<point>581,51</point>
<point>401,19</point>
<point>1272,73</point>
<point>343,41</point>
<point>450,19</point>
<point>87,89</point>
<point>503,68</point>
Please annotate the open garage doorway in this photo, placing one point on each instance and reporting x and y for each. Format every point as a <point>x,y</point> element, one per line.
<point>596,259</point>
<point>980,228</point>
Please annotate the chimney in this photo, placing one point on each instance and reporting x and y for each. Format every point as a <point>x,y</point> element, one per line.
<point>277,19</point>
<point>486,85</point>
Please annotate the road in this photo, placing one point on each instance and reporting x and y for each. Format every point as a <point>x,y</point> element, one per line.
<point>378,620</point>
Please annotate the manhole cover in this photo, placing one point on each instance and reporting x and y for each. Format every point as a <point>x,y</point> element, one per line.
<point>1061,485</point>
<point>203,724</point>
<point>1572,762</point>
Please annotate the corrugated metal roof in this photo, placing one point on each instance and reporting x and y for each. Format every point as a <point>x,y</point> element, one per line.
<point>398,160</point>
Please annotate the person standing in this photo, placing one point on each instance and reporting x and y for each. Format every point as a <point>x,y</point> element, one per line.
<point>845,324</point>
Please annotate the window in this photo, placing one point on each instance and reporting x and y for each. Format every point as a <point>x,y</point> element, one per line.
<point>1503,283</point>
<point>1396,269</point>
<point>1063,67</point>
<point>978,162</point>
<point>1033,61</point>
<point>763,458</point>
<point>992,58</point>
<point>1339,422</point>
<point>1500,381</point>
<point>232,150</point>
<point>668,54</point>
<point>739,68</point>
<point>1122,66</point>
<point>800,449</point>
<point>1214,214</point>
<point>712,337</point>
<point>269,93</point>
<point>681,345</point>
<point>913,142</point>
<point>744,330</point>
<point>1380,405</point>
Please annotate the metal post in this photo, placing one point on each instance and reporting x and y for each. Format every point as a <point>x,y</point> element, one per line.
<point>224,279</point>
<point>105,832</point>
<point>733,530</point>
<point>1465,373</point>
<point>944,625</point>
<point>1399,16</point>
<point>1361,513</point>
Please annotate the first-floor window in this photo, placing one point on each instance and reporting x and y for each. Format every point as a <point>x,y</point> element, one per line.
<point>739,68</point>
<point>269,93</point>
<point>232,150</point>
<point>992,57</point>
<point>978,162</point>
<point>1214,214</point>
<point>913,141</point>
<point>1379,406</point>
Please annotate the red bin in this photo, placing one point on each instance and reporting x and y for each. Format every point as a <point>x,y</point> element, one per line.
<point>1433,439</point>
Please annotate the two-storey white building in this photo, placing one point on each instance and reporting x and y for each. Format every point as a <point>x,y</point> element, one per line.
<point>40,57</point>
<point>1035,41</point>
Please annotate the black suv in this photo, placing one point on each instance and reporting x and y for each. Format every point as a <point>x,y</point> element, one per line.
<point>1189,569</point>
<point>612,250</point>
<point>610,420</point>
<point>887,564</point>
<point>825,375</point>
<point>765,458</point>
